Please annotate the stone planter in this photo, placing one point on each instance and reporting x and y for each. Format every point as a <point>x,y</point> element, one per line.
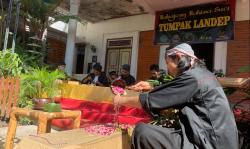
<point>40,102</point>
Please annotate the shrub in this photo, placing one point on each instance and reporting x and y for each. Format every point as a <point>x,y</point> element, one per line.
<point>10,64</point>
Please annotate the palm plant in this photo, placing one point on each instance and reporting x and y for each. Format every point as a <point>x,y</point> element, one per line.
<point>38,13</point>
<point>40,83</point>
<point>35,14</point>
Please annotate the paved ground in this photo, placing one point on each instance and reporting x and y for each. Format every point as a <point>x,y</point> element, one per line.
<point>21,132</point>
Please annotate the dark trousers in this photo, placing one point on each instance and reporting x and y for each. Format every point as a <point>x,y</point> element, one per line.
<point>146,136</point>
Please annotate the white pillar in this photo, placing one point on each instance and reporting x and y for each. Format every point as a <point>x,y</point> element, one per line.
<point>70,55</point>
<point>162,62</point>
<point>220,56</point>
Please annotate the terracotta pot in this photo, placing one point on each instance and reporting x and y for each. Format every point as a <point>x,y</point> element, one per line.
<point>40,102</point>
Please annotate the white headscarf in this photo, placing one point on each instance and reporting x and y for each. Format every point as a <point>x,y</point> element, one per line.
<point>184,49</point>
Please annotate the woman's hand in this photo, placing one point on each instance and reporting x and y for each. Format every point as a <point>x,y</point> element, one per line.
<point>116,101</point>
<point>132,101</point>
<point>141,86</point>
<point>99,83</point>
<point>86,80</point>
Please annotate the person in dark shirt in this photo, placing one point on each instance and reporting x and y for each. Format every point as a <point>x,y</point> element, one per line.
<point>155,72</point>
<point>97,77</point>
<point>158,77</point>
<point>112,76</point>
<point>125,75</point>
<point>205,117</point>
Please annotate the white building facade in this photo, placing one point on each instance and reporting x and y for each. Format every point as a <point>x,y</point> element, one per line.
<point>97,35</point>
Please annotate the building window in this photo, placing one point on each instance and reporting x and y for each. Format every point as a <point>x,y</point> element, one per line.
<point>118,43</point>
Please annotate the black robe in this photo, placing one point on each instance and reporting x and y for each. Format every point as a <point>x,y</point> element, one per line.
<point>206,119</point>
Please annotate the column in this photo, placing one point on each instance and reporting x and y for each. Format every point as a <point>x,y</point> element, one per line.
<point>70,54</point>
<point>220,56</point>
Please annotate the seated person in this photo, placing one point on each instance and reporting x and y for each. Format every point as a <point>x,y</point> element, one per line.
<point>97,77</point>
<point>112,76</point>
<point>158,76</point>
<point>125,75</point>
<point>155,72</point>
<point>62,68</point>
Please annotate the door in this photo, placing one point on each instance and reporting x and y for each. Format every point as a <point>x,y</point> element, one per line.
<point>80,59</point>
<point>125,57</point>
<point>205,51</point>
<point>112,60</point>
<point>116,58</point>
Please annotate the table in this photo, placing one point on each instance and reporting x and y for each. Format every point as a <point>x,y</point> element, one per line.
<point>75,139</point>
<point>90,92</point>
<point>234,82</point>
<point>43,118</point>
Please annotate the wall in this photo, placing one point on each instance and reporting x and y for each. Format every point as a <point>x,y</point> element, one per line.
<point>56,46</point>
<point>57,37</point>
<point>97,33</point>
<point>148,54</point>
<point>56,52</point>
<point>242,10</point>
<point>63,27</point>
<point>231,55</point>
<point>225,55</point>
<point>135,44</point>
<point>238,49</point>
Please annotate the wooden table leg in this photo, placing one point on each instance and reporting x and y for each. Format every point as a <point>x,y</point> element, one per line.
<point>43,124</point>
<point>48,127</point>
<point>76,123</point>
<point>11,132</point>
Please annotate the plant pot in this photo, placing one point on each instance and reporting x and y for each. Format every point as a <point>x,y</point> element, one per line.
<point>40,102</point>
<point>52,107</point>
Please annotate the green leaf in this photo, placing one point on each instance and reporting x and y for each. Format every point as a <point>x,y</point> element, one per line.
<point>66,18</point>
<point>10,64</point>
<point>244,69</point>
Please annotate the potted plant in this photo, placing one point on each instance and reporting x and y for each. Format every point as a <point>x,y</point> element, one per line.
<point>41,86</point>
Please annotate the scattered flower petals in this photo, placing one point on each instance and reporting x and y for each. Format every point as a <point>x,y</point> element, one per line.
<point>106,129</point>
<point>100,130</point>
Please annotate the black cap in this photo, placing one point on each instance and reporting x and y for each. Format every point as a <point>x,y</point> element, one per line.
<point>97,67</point>
<point>126,67</point>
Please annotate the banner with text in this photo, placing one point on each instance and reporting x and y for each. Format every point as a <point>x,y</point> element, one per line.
<point>197,24</point>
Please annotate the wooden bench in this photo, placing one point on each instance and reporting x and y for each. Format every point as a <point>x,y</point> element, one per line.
<point>233,82</point>
<point>239,101</point>
<point>75,139</point>
<point>9,92</point>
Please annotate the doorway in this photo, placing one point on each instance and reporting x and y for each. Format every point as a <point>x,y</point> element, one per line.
<point>80,58</point>
<point>205,51</point>
<point>118,53</point>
